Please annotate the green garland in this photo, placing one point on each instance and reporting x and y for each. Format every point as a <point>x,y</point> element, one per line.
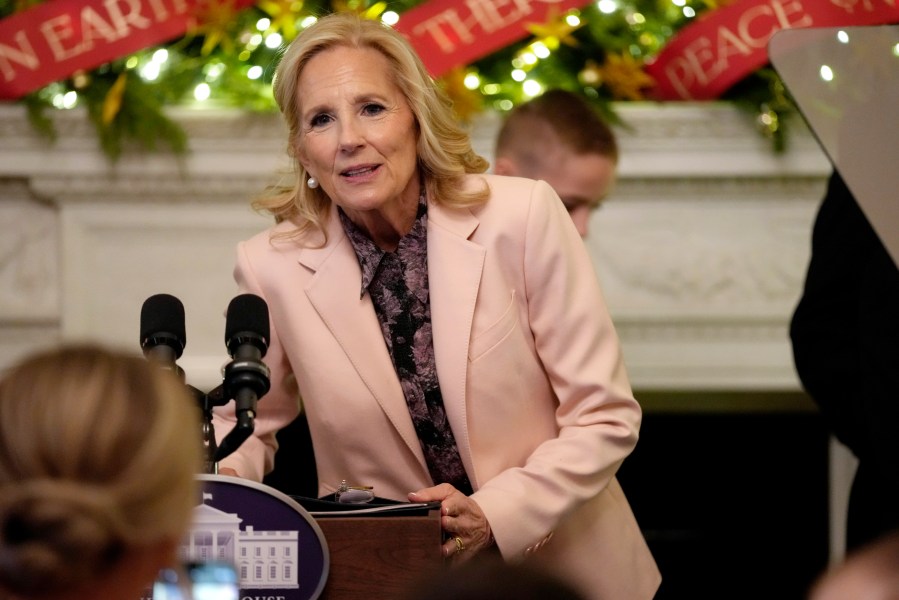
<point>232,60</point>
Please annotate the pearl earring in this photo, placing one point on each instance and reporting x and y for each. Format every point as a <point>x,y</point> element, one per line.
<point>312,183</point>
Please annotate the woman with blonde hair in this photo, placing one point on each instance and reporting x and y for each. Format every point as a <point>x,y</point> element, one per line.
<point>98,456</point>
<point>444,328</point>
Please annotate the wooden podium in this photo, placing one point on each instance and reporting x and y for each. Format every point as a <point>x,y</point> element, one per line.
<point>379,557</point>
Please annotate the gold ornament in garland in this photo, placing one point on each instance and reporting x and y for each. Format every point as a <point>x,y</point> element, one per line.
<point>624,76</point>
<point>360,7</point>
<point>555,30</point>
<point>112,104</point>
<point>216,20</point>
<point>284,16</point>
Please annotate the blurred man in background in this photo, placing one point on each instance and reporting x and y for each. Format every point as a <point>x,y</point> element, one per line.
<point>559,138</point>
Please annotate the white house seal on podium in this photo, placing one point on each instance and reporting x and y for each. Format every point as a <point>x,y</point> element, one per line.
<point>278,549</point>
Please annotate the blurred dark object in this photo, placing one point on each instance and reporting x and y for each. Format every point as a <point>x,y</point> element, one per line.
<point>488,577</point>
<point>845,334</point>
<point>733,501</point>
<point>294,472</point>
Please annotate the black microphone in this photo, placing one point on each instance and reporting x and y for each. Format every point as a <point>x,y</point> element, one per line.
<point>246,376</point>
<point>162,335</point>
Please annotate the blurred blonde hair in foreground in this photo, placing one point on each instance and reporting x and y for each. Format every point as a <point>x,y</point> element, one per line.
<point>869,573</point>
<point>98,456</point>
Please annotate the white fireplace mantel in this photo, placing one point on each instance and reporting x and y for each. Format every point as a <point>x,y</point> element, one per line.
<point>701,248</point>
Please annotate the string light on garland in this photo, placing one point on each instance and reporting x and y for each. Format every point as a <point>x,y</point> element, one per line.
<point>65,100</point>
<point>461,86</point>
<point>202,92</point>
<point>531,88</point>
<point>591,74</point>
<point>608,6</point>
<point>151,69</point>
<point>528,58</point>
<point>540,50</point>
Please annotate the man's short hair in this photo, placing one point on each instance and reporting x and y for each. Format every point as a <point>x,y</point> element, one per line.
<point>577,124</point>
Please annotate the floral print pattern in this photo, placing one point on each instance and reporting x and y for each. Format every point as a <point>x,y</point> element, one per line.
<point>398,285</point>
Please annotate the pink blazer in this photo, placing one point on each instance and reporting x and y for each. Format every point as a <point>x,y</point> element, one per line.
<point>530,371</point>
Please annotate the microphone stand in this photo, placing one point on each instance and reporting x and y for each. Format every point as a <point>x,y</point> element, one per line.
<point>246,380</point>
<point>207,401</point>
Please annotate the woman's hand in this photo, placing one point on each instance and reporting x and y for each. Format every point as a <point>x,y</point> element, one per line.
<point>461,517</point>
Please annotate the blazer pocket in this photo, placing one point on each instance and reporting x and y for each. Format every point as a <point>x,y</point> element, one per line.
<point>488,339</point>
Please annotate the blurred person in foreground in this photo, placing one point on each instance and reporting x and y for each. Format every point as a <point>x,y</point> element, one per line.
<point>559,138</point>
<point>444,328</point>
<point>869,572</point>
<point>844,334</point>
<point>98,457</point>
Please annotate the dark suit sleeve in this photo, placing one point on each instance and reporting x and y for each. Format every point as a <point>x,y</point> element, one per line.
<point>845,329</point>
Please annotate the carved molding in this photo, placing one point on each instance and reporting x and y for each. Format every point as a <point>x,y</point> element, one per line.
<point>738,260</point>
<point>29,275</point>
<point>772,188</point>
<point>150,188</point>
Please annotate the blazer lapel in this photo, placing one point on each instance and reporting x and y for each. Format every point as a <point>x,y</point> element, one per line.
<point>334,292</point>
<point>454,273</point>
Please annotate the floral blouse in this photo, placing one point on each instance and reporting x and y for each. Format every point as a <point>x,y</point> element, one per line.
<point>398,285</point>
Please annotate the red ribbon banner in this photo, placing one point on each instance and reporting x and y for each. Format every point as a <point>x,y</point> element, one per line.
<point>451,33</point>
<point>55,39</point>
<point>724,46</point>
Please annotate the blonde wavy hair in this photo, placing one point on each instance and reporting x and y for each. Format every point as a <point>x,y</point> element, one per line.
<point>445,154</point>
<point>98,455</point>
